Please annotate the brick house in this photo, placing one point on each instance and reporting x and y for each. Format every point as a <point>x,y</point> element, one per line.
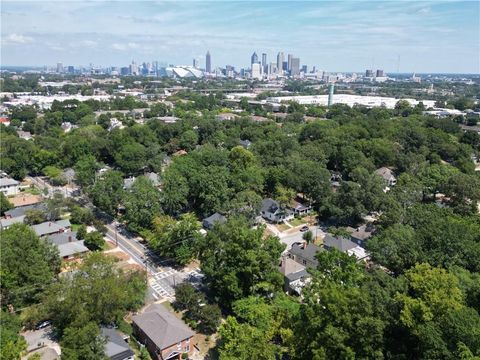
<point>165,336</point>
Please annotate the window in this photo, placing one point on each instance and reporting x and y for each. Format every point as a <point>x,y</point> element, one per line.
<point>187,348</point>
<point>304,262</point>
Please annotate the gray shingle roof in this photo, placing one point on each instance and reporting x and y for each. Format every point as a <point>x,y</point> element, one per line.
<point>162,327</point>
<point>270,205</point>
<point>8,182</point>
<point>307,252</point>
<point>338,242</point>
<point>298,275</point>
<point>5,223</point>
<point>72,248</point>
<point>116,348</point>
<point>50,227</point>
<point>19,211</point>
<point>62,238</point>
<point>215,218</point>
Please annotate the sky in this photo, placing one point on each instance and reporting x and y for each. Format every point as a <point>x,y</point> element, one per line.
<point>412,36</point>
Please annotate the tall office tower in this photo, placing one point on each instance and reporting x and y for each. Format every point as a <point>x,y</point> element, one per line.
<point>195,63</point>
<point>264,59</point>
<point>304,69</point>
<point>294,66</point>
<point>380,73</point>
<point>280,59</point>
<point>285,66</point>
<point>208,62</point>
<point>256,70</point>
<point>369,73</point>
<point>71,69</point>
<point>314,70</point>
<point>254,58</point>
<point>272,69</point>
<point>59,68</point>
<point>289,61</point>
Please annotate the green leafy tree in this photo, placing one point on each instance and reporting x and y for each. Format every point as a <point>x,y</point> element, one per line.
<point>94,240</point>
<point>107,192</point>
<point>131,158</point>
<point>12,345</point>
<point>142,203</point>
<point>5,205</point>
<point>99,292</point>
<point>238,262</point>
<point>81,232</point>
<point>33,217</point>
<point>83,342</point>
<point>176,239</point>
<point>85,169</point>
<point>186,296</point>
<point>27,265</point>
<point>209,317</point>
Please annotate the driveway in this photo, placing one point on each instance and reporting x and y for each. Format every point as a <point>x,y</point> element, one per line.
<point>292,236</point>
<point>41,339</point>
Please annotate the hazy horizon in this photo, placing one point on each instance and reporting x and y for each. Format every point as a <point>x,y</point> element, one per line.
<point>423,37</point>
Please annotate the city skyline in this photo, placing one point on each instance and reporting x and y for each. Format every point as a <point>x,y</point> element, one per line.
<point>342,36</point>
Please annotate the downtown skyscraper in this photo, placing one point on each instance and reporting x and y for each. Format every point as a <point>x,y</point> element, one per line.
<point>208,62</point>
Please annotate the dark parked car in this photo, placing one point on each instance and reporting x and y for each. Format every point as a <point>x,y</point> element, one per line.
<point>304,228</point>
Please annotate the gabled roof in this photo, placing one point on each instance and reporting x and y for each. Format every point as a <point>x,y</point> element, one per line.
<point>162,327</point>
<point>72,248</point>
<point>306,252</point>
<point>338,242</point>
<point>385,173</point>
<point>24,199</point>
<point>8,182</point>
<point>215,218</point>
<point>63,238</point>
<point>116,348</point>
<point>5,223</point>
<point>50,227</point>
<point>270,205</point>
<point>19,211</point>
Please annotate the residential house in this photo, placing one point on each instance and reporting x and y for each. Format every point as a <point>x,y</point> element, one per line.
<point>245,144</point>
<point>6,223</point>
<point>295,275</point>
<point>9,186</point>
<point>270,210</point>
<point>209,222</point>
<point>304,254</point>
<point>164,335</point>
<point>226,116</point>
<point>116,346</point>
<point>128,182</point>
<point>153,177</point>
<point>388,176</point>
<point>22,210</point>
<point>25,135</point>
<point>344,245</point>
<point>4,120</point>
<point>362,233</point>
<point>51,227</point>
<point>68,245</point>
<point>180,153</point>
<point>168,119</point>
<point>299,209</point>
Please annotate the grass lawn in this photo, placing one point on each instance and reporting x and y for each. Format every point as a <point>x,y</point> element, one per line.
<point>75,227</point>
<point>282,227</point>
<point>32,190</point>
<point>297,222</point>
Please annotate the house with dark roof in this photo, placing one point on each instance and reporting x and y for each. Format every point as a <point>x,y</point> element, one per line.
<point>22,210</point>
<point>271,210</point>
<point>6,223</point>
<point>116,346</point>
<point>164,335</point>
<point>295,275</point>
<point>362,233</point>
<point>209,222</point>
<point>304,254</point>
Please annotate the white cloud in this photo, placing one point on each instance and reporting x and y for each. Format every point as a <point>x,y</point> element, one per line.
<point>127,46</point>
<point>88,43</point>
<point>17,39</point>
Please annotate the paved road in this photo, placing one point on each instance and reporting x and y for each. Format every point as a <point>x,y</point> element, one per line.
<point>290,238</point>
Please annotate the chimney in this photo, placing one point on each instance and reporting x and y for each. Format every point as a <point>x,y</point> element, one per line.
<point>70,238</point>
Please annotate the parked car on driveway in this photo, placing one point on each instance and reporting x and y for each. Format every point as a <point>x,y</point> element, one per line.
<point>304,228</point>
<point>43,325</point>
